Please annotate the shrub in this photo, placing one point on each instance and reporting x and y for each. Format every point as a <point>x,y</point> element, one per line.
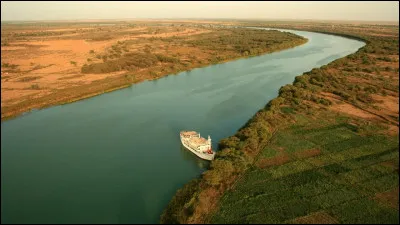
<point>140,60</point>
<point>8,65</point>
<point>324,101</point>
<point>35,86</point>
<point>370,89</point>
<point>231,142</point>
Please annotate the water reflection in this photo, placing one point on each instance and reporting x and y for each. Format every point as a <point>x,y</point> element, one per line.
<point>189,156</point>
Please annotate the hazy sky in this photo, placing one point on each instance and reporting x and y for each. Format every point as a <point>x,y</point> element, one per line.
<point>64,10</point>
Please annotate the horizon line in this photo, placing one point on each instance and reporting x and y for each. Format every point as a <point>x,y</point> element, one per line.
<point>233,19</point>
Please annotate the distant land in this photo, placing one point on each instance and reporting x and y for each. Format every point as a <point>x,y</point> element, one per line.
<point>204,20</point>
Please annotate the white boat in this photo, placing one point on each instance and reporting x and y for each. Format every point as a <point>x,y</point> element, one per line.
<point>198,145</point>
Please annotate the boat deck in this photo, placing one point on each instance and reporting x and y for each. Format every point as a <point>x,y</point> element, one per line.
<point>198,141</point>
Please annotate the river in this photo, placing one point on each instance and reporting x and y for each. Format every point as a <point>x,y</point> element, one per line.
<point>116,157</point>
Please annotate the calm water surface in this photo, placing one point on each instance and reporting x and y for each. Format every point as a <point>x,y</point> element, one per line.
<point>116,158</point>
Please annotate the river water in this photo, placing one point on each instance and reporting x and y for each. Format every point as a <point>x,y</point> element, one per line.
<point>117,157</point>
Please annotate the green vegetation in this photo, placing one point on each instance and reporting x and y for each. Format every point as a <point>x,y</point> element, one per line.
<point>297,160</point>
<point>8,65</point>
<point>248,42</point>
<point>129,61</point>
<point>38,34</point>
<point>27,79</point>
<point>37,67</point>
<point>35,87</point>
<point>13,68</point>
<point>98,37</point>
<point>240,41</point>
<point>347,171</point>
<point>237,42</point>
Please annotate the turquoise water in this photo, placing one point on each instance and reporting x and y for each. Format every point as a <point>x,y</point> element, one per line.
<point>116,158</point>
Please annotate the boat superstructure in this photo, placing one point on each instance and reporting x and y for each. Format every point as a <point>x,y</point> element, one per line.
<point>198,145</point>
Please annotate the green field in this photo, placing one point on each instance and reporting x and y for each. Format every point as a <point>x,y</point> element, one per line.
<point>335,167</point>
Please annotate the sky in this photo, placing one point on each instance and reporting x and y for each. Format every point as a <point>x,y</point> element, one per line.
<point>303,10</point>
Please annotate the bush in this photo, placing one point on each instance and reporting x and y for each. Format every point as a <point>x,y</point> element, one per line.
<point>248,42</point>
<point>35,86</point>
<point>342,94</point>
<point>8,65</point>
<point>386,59</point>
<point>370,89</point>
<point>324,101</point>
<point>163,58</point>
<point>174,208</point>
<point>140,60</point>
<point>231,142</point>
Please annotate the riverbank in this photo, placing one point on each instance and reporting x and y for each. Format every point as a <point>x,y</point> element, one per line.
<point>340,103</point>
<point>114,66</point>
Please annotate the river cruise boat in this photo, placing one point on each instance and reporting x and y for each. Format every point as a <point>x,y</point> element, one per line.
<point>201,147</point>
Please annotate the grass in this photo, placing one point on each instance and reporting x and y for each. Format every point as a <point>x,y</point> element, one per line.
<point>314,218</point>
<point>298,188</point>
<point>364,210</point>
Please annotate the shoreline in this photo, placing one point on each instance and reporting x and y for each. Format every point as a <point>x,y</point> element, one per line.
<point>321,32</point>
<point>16,114</point>
<point>198,186</point>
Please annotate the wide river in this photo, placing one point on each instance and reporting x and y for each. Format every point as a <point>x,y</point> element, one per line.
<point>117,157</point>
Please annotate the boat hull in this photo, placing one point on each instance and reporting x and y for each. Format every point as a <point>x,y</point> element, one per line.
<point>199,154</point>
